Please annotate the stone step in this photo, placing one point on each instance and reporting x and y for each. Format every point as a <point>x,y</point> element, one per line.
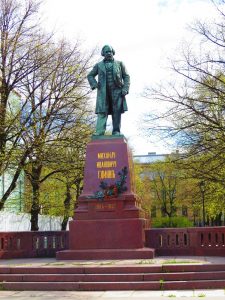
<point>94,254</point>
<point>103,286</point>
<point>100,278</point>
<point>130,269</point>
<point>134,277</point>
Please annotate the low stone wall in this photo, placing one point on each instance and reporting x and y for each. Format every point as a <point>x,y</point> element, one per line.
<point>32,244</point>
<point>207,241</point>
<point>203,241</point>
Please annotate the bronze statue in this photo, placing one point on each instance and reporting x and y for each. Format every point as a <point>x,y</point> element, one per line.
<point>113,84</point>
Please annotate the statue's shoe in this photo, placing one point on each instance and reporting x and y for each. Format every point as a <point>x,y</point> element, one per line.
<point>98,133</point>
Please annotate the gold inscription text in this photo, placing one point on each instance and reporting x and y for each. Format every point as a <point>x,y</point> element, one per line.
<point>106,155</point>
<point>104,174</point>
<point>105,206</point>
<point>106,164</point>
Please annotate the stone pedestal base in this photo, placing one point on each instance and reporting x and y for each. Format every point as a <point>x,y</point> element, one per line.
<point>98,254</point>
<point>106,234</point>
<point>111,227</point>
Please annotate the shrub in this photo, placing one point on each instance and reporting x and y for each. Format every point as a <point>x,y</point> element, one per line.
<point>175,222</point>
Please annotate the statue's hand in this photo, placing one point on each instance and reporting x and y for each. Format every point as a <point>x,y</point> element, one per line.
<point>124,92</point>
<point>96,86</point>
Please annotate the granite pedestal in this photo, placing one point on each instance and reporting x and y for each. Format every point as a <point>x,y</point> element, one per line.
<point>111,227</point>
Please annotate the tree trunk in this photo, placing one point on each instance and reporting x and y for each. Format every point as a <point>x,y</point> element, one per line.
<point>3,104</point>
<point>35,208</point>
<point>79,189</point>
<point>66,208</point>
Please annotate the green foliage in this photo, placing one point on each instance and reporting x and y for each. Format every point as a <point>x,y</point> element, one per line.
<point>194,118</point>
<point>51,198</point>
<point>178,262</point>
<point>145,262</point>
<point>214,194</point>
<point>143,188</point>
<point>171,184</point>
<point>201,295</point>
<point>44,104</point>
<point>161,282</point>
<point>173,222</point>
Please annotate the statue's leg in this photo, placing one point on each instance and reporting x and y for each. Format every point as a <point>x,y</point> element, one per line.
<point>116,120</point>
<point>101,124</point>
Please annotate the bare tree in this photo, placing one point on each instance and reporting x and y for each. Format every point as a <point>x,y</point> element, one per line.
<point>196,101</point>
<point>62,85</point>
<point>72,165</point>
<point>21,39</point>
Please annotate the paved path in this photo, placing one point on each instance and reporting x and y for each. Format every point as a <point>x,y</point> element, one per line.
<point>113,295</point>
<point>156,261</point>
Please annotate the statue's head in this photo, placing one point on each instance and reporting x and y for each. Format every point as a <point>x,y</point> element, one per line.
<point>108,52</point>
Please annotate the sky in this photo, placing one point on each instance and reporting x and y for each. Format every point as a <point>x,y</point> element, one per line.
<point>145,35</point>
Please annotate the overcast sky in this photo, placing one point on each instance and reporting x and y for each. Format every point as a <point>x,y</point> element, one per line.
<point>144,34</point>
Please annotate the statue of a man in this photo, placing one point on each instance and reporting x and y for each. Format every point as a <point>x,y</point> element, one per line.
<point>113,85</point>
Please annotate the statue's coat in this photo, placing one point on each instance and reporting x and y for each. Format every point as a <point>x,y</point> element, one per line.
<point>121,81</point>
